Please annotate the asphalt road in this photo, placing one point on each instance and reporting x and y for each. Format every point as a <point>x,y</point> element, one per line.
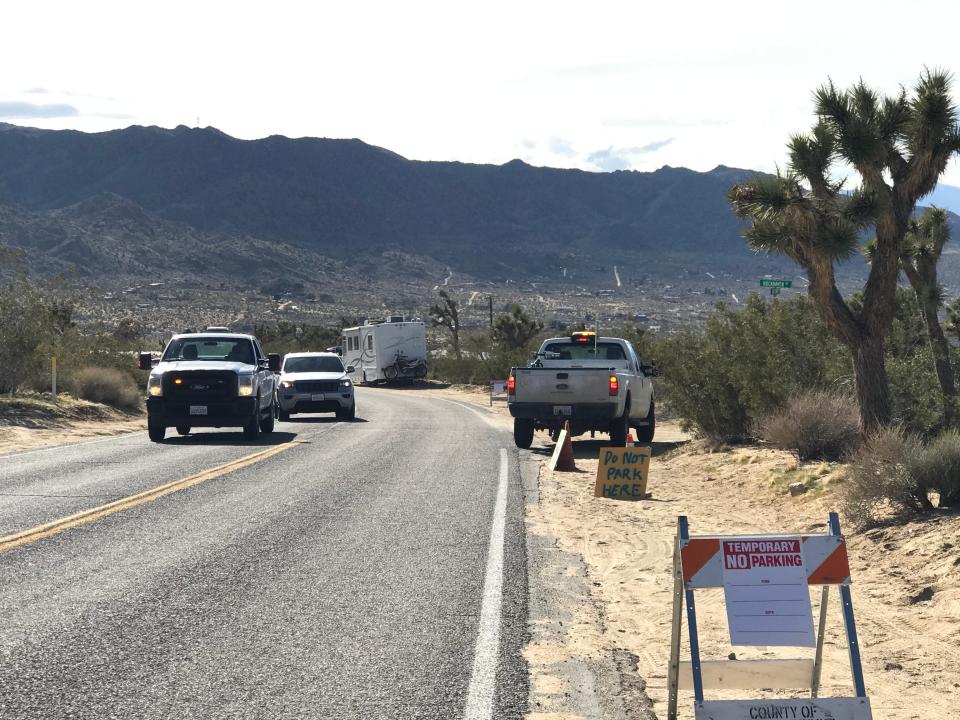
<point>373,569</point>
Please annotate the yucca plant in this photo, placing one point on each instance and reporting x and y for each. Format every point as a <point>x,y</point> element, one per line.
<point>899,147</point>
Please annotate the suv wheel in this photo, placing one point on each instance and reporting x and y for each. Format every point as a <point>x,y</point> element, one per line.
<point>349,414</point>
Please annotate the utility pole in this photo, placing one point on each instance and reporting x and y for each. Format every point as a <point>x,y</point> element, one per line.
<point>490,301</point>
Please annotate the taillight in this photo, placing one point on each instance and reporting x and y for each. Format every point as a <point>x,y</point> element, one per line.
<point>614,385</point>
<point>511,385</point>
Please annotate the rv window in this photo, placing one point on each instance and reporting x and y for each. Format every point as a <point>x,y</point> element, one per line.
<point>369,342</point>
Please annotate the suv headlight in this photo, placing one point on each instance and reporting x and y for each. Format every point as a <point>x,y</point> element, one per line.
<point>245,385</point>
<point>155,386</point>
<point>345,383</point>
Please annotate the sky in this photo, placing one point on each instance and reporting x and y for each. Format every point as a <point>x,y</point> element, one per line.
<point>597,85</point>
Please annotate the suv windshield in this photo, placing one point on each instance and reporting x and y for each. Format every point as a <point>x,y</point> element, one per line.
<point>585,351</point>
<point>312,364</point>
<point>210,348</point>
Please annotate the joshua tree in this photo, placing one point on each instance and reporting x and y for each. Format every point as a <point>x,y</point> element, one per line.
<point>515,330</point>
<point>899,147</point>
<point>921,252</point>
<point>446,314</point>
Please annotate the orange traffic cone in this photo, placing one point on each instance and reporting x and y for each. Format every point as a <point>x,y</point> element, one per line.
<point>563,453</point>
<point>630,439</point>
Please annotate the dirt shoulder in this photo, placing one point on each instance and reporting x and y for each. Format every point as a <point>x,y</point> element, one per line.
<point>906,589</point>
<point>31,422</point>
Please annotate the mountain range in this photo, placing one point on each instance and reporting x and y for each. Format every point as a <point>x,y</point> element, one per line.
<point>194,202</point>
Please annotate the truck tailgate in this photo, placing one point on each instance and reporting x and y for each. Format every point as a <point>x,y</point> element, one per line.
<point>562,386</point>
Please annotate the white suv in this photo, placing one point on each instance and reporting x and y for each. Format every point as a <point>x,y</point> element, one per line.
<point>315,382</point>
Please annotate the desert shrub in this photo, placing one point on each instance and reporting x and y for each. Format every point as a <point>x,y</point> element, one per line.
<point>880,479</point>
<point>720,379</point>
<point>936,467</point>
<point>108,386</point>
<point>915,392</point>
<point>817,424</point>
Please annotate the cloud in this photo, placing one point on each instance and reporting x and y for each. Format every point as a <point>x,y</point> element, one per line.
<point>654,146</point>
<point>559,146</point>
<point>37,91</point>
<point>15,109</point>
<point>611,158</point>
<point>599,70</point>
<point>654,121</point>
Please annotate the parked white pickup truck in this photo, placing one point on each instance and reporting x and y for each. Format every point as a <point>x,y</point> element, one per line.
<point>597,383</point>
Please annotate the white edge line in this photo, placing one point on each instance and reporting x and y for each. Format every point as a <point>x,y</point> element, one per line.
<point>480,693</point>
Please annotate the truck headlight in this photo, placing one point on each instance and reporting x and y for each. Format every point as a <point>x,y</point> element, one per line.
<point>155,386</point>
<point>245,386</point>
<point>286,384</point>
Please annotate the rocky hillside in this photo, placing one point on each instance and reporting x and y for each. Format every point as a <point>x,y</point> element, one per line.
<point>146,199</point>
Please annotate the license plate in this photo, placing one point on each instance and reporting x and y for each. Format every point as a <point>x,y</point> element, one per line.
<point>198,409</point>
<point>564,410</point>
<point>317,397</point>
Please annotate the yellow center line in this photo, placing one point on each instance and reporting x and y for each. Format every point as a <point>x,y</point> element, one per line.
<point>84,517</point>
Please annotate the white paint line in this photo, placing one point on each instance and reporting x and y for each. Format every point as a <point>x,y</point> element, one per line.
<point>481,693</point>
<point>481,413</point>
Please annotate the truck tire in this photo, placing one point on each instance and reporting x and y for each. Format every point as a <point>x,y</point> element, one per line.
<point>183,429</point>
<point>523,433</point>
<point>156,432</point>
<point>251,431</point>
<point>267,422</point>
<point>645,432</point>
<point>619,427</point>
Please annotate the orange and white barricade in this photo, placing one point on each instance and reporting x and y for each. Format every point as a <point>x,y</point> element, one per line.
<point>701,562</point>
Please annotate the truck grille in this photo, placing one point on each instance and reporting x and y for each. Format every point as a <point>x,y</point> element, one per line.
<point>316,386</point>
<point>201,384</point>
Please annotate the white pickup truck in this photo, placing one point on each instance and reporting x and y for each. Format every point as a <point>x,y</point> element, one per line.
<point>597,383</point>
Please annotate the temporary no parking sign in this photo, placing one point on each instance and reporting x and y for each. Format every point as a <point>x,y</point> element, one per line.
<point>766,593</point>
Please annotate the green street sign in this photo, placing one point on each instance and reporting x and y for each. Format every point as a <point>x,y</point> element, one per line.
<point>774,291</point>
<point>766,282</point>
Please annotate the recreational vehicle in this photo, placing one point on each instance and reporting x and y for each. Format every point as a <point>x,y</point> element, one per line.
<point>395,349</point>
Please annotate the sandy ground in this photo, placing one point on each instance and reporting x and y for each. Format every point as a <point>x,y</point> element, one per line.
<point>32,424</point>
<point>906,579</point>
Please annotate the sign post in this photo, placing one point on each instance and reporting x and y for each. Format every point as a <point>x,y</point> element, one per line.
<point>762,577</point>
<point>53,377</point>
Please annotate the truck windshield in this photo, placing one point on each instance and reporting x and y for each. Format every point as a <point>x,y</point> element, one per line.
<point>210,348</point>
<point>585,351</point>
<point>312,364</point>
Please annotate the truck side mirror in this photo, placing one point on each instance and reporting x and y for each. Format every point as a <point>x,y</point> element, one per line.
<point>649,370</point>
<point>273,362</point>
<point>145,361</point>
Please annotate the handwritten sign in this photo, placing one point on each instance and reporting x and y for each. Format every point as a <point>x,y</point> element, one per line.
<point>766,592</point>
<point>622,473</point>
